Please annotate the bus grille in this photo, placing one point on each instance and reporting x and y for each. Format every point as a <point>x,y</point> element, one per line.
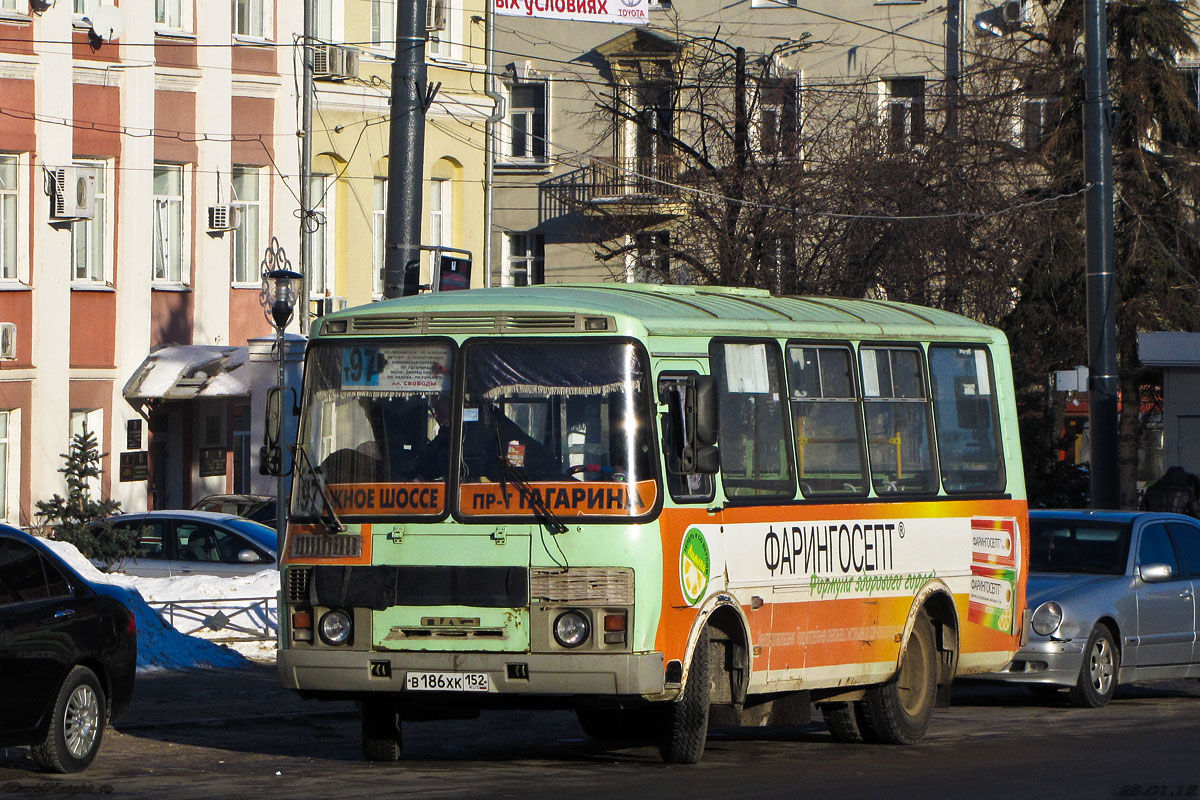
<point>297,584</point>
<point>471,323</point>
<point>613,586</point>
<point>309,545</point>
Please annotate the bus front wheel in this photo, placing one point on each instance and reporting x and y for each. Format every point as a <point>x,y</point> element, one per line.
<point>898,712</point>
<point>685,723</point>
<point>380,732</point>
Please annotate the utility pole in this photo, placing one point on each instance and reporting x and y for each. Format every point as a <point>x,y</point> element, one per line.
<point>406,151</point>
<point>306,107</point>
<point>953,64</point>
<point>1101,311</point>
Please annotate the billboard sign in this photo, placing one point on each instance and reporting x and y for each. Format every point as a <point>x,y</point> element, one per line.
<point>628,12</point>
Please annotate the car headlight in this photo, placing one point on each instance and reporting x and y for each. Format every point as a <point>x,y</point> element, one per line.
<point>1047,618</point>
<point>572,628</point>
<point>336,627</point>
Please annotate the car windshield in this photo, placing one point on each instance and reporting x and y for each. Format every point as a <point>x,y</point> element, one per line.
<point>1087,546</point>
<point>557,426</point>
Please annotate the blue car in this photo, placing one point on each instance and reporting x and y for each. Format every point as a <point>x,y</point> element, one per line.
<point>68,654</point>
<point>1112,600</point>
<point>196,543</point>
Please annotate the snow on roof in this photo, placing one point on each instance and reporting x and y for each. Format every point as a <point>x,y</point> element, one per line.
<point>161,646</point>
<point>185,370</point>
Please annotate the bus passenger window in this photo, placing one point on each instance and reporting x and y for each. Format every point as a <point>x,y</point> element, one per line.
<point>752,435</point>
<point>826,421</point>
<point>897,415</point>
<point>964,403</point>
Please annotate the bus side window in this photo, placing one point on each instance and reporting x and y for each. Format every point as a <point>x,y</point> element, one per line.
<point>826,420</point>
<point>898,421</point>
<point>964,403</point>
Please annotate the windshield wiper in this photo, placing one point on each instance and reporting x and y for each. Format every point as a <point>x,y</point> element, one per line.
<point>541,512</point>
<point>328,517</point>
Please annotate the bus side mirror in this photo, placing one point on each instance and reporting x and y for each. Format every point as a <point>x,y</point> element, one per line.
<point>271,456</point>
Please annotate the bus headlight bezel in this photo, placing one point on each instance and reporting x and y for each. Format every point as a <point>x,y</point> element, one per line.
<point>336,627</point>
<point>572,629</point>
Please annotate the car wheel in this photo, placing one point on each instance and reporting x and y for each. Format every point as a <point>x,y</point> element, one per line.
<point>76,724</point>
<point>898,712</point>
<point>685,724</point>
<point>1098,673</point>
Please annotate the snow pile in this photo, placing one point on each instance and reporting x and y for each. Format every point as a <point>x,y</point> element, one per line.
<point>161,646</point>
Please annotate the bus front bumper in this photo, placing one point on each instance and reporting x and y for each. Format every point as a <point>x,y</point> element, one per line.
<point>358,672</point>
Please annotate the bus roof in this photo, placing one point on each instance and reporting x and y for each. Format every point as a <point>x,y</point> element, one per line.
<point>656,310</point>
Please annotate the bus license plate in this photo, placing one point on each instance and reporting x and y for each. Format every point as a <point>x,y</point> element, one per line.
<point>447,682</point>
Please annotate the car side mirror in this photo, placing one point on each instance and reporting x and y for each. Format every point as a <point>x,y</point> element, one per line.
<point>1156,573</point>
<point>248,556</point>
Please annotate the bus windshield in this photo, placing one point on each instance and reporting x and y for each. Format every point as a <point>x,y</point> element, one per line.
<point>569,419</point>
<point>373,412</point>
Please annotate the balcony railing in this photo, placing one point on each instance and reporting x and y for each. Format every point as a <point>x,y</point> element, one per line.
<point>624,186</point>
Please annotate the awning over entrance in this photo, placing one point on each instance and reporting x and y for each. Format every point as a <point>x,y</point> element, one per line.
<point>185,372</point>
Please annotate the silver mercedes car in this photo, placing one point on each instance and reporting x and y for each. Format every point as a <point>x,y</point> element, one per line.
<point>1113,600</point>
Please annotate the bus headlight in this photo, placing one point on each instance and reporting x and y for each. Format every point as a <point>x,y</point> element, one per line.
<point>1047,618</point>
<point>336,627</point>
<point>572,628</point>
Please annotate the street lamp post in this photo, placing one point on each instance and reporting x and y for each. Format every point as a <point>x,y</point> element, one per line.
<point>280,288</point>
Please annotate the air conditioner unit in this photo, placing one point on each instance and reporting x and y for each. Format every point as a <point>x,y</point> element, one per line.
<point>435,15</point>
<point>224,217</point>
<point>1014,13</point>
<point>334,62</point>
<point>74,195</point>
<point>8,341</point>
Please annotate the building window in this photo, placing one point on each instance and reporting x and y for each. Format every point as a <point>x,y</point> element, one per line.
<point>383,25</point>
<point>647,141</point>
<point>169,13</point>
<point>89,237</point>
<point>8,5</point>
<point>904,106</point>
<point>9,202</point>
<point>379,232</point>
<point>652,258</point>
<point>1038,116</point>
<point>318,193</point>
<point>441,208</point>
<point>241,448</point>
<point>524,138</point>
<point>90,421</point>
<point>8,448</point>
<point>246,244</point>
<point>441,29</point>
<point>248,18</point>
<point>84,8</point>
<point>526,262</point>
<point>323,25</point>
<point>168,223</point>
<point>779,117</point>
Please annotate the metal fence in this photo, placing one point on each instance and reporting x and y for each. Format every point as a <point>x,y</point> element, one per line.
<point>241,619</point>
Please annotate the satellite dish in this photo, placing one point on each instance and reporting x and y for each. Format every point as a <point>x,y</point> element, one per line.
<point>108,23</point>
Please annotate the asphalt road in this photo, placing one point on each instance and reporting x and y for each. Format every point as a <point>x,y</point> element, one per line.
<point>235,733</point>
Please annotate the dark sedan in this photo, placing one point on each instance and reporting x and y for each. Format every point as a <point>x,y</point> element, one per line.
<point>68,653</point>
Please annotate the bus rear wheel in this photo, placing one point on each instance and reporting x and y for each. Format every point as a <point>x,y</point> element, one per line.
<point>380,732</point>
<point>898,712</point>
<point>685,721</point>
<point>847,723</point>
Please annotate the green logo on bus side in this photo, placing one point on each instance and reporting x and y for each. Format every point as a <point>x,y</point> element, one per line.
<point>694,565</point>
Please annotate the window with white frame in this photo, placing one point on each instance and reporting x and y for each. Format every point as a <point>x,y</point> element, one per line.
<point>8,5</point>
<point>523,139</point>
<point>772,3</point>
<point>169,14</point>
<point>247,201</point>
<point>91,421</point>
<point>379,232</point>
<point>779,116</point>
<point>319,190</point>
<point>441,207</point>
<point>442,27</point>
<point>383,25</point>
<point>1038,116</point>
<point>526,261</point>
<point>90,237</point>
<point>323,24</point>
<point>248,18</point>
<point>904,113</point>
<point>168,223</point>
<point>10,465</point>
<point>84,8</point>
<point>10,201</point>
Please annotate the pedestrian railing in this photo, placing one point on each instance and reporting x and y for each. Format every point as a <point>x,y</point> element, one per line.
<point>242,619</point>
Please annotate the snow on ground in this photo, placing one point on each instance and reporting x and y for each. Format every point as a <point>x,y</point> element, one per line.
<point>161,646</point>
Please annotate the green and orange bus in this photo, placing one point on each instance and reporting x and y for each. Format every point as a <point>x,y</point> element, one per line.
<point>658,506</point>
